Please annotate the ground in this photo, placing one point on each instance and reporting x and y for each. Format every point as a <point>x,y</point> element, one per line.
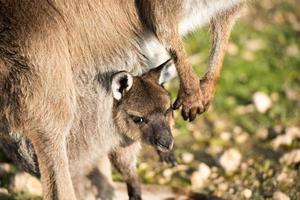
<point>245,146</point>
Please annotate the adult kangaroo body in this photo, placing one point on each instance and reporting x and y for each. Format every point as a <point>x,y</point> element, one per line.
<point>56,58</point>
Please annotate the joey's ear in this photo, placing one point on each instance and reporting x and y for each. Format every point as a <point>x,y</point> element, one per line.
<point>163,73</point>
<point>121,82</point>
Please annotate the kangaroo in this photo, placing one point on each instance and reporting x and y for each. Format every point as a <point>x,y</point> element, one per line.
<point>142,112</point>
<point>56,60</point>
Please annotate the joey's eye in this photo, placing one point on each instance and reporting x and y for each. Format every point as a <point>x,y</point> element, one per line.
<point>138,120</point>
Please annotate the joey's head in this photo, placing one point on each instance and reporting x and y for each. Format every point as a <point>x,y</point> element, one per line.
<point>142,107</point>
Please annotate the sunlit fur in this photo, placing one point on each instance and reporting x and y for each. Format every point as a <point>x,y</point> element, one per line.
<point>56,60</point>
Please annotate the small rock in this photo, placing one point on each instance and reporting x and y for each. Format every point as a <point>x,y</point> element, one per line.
<point>242,138</point>
<point>262,133</point>
<point>23,182</point>
<point>200,176</point>
<point>292,157</point>
<point>285,177</point>
<point>282,140</point>
<point>262,102</point>
<point>247,193</point>
<point>292,94</point>
<point>167,173</point>
<point>162,181</point>
<point>291,134</point>
<point>149,174</point>
<point>278,129</point>
<point>187,157</point>
<point>241,110</point>
<point>180,167</point>
<point>280,196</point>
<point>293,50</point>
<point>225,136</point>
<point>230,160</point>
<point>3,191</point>
<point>231,191</point>
<point>220,125</point>
<point>143,166</point>
<point>237,130</point>
<point>223,186</point>
<point>5,168</point>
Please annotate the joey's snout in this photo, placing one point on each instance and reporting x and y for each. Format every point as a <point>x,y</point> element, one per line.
<point>162,138</point>
<point>164,143</point>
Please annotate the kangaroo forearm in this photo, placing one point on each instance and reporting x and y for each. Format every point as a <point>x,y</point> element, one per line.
<point>184,69</point>
<point>221,27</point>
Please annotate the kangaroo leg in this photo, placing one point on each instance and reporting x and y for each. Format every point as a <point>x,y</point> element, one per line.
<point>96,184</point>
<point>159,16</point>
<point>221,27</point>
<point>53,164</point>
<point>41,108</point>
<point>124,160</point>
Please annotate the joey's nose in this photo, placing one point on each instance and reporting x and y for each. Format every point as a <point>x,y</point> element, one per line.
<point>165,142</point>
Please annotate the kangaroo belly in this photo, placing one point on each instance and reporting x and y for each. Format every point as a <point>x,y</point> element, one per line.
<point>198,12</point>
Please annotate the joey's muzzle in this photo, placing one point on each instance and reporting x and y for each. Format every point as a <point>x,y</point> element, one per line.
<point>164,140</point>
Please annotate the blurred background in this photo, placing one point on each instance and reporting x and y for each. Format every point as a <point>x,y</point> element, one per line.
<point>247,146</point>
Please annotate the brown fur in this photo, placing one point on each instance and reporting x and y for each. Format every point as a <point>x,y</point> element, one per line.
<point>163,17</point>
<point>56,58</point>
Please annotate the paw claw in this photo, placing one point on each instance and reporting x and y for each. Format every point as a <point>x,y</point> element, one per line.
<point>185,113</point>
<point>168,157</point>
<point>177,103</point>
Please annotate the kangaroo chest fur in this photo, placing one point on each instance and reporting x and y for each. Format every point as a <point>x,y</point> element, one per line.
<point>97,38</point>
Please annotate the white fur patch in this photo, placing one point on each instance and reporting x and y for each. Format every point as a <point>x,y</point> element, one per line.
<point>199,12</point>
<point>154,51</point>
<point>167,73</point>
<point>116,84</point>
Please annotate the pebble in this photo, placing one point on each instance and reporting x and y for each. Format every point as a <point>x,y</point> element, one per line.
<point>237,130</point>
<point>247,193</point>
<point>230,160</point>
<point>23,182</point>
<point>293,132</point>
<point>280,196</point>
<point>262,102</point>
<point>187,157</point>
<point>223,186</point>
<point>282,140</point>
<point>226,136</point>
<point>5,168</point>
<point>262,133</point>
<point>143,166</point>
<point>290,135</point>
<point>3,191</point>
<point>231,191</point>
<point>242,138</point>
<point>293,50</point>
<point>167,173</point>
<point>284,177</point>
<point>200,176</point>
<point>220,125</point>
<point>292,157</point>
